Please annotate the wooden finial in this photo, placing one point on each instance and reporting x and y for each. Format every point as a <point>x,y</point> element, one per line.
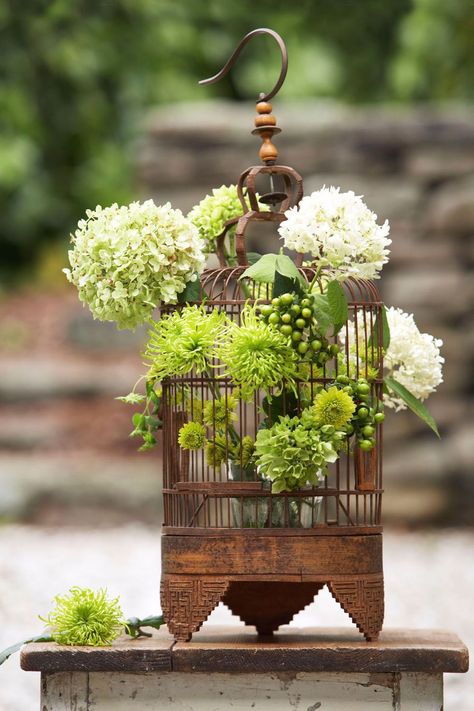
<point>266,127</point>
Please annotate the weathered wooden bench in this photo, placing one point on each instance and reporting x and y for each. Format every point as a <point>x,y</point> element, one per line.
<point>222,668</point>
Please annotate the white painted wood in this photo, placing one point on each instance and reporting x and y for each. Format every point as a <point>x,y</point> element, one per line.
<point>242,692</point>
<point>180,691</point>
<point>421,692</point>
<point>64,691</point>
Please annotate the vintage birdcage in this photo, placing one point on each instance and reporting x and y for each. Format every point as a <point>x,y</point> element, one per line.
<point>226,536</point>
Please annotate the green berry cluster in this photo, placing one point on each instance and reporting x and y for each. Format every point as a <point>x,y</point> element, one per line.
<point>294,316</point>
<point>366,417</point>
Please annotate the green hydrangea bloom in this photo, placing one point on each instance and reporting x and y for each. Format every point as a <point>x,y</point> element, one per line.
<point>127,260</point>
<point>211,214</point>
<point>182,341</point>
<point>85,617</point>
<point>192,435</point>
<point>256,355</point>
<point>296,451</point>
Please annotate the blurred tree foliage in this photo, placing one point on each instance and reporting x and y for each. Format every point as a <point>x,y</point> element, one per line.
<point>77,75</point>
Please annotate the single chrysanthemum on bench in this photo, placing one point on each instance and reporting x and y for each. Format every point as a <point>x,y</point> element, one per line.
<point>85,617</point>
<point>127,260</point>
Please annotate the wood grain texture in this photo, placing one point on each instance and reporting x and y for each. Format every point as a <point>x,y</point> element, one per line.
<point>322,650</point>
<point>257,556</point>
<point>234,649</point>
<point>144,654</point>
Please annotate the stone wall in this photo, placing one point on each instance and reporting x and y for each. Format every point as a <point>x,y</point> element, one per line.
<point>415,168</point>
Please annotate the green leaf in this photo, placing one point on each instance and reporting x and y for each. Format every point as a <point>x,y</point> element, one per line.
<point>284,285</point>
<point>374,338</point>
<point>138,420</point>
<point>337,304</point>
<point>6,653</point>
<point>413,403</point>
<point>287,268</point>
<point>253,257</point>
<point>263,270</point>
<point>191,293</point>
<point>323,313</point>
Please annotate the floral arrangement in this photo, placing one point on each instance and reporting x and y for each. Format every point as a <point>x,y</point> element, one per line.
<point>294,342</point>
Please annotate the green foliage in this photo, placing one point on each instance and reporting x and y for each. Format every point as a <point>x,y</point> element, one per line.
<point>77,78</point>
<point>413,403</point>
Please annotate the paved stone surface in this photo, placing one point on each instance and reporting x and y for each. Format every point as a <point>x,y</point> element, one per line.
<point>429,583</point>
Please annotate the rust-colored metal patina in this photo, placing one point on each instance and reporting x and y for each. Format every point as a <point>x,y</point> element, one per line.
<point>226,537</point>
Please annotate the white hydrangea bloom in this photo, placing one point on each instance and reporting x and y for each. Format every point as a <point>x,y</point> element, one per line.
<point>339,231</point>
<point>412,358</point>
<point>127,260</point>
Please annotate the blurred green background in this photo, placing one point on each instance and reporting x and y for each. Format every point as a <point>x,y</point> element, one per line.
<point>77,78</point>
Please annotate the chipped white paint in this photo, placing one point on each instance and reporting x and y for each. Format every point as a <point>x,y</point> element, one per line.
<point>179,691</point>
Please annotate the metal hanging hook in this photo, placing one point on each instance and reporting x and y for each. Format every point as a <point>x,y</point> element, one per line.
<point>234,56</point>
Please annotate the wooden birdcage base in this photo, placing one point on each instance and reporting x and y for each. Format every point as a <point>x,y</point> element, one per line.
<point>266,577</point>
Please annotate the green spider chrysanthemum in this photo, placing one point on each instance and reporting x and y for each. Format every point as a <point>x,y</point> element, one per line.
<point>220,413</point>
<point>85,617</point>
<point>257,355</point>
<point>334,407</point>
<point>183,341</point>
<point>245,451</point>
<point>211,214</point>
<point>192,435</point>
<point>217,451</point>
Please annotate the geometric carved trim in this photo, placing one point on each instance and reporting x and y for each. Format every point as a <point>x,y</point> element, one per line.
<point>187,603</point>
<point>363,600</point>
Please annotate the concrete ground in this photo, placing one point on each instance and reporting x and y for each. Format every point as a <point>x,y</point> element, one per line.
<point>429,583</point>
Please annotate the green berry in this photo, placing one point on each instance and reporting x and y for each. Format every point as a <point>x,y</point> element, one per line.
<point>334,349</point>
<point>316,345</point>
<point>276,302</point>
<point>306,313</point>
<point>347,389</point>
<point>363,388</point>
<point>300,323</point>
<point>343,379</point>
<point>274,318</point>
<point>323,358</point>
<point>286,318</point>
<point>305,302</point>
<point>349,429</point>
<point>296,336</point>
<point>286,299</point>
<point>368,431</point>
<point>363,413</point>
<point>266,310</point>
<point>379,417</point>
<point>366,444</point>
<point>295,310</point>
<point>363,398</point>
<point>286,329</point>
<point>302,347</point>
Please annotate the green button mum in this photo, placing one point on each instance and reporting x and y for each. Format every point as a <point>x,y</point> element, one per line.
<point>333,407</point>
<point>192,435</point>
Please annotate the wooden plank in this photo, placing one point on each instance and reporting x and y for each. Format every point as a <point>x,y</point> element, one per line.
<point>234,649</point>
<point>321,650</point>
<point>139,655</point>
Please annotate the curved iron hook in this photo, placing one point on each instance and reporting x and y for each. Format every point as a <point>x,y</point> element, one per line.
<point>234,56</point>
